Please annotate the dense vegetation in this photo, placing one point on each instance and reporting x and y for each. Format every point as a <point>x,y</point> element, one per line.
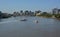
<point>45,14</point>
<point>4,15</point>
<point>57,15</point>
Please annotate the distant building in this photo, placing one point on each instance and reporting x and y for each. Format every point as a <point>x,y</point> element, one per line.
<point>59,11</point>
<point>16,14</point>
<point>31,13</point>
<point>56,11</point>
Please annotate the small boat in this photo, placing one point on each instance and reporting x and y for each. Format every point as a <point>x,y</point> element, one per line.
<point>23,20</point>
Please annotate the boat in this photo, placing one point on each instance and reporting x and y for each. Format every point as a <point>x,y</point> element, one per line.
<point>23,20</point>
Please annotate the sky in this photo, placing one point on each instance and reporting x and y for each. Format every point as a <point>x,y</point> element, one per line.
<point>10,6</point>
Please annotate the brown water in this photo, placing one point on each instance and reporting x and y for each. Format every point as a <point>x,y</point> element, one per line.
<point>13,27</point>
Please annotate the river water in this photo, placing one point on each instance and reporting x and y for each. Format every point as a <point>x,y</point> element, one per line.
<point>13,27</point>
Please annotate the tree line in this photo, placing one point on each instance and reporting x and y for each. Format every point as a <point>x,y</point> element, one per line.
<point>29,13</point>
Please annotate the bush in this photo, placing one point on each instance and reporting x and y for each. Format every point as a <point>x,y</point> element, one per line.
<point>57,15</point>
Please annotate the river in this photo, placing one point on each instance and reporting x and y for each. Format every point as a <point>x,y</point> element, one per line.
<point>13,27</point>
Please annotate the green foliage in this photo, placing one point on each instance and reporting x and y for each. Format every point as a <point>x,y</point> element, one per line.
<point>57,15</point>
<point>45,14</point>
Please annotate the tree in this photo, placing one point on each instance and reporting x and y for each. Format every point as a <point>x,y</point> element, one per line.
<point>21,11</point>
<point>0,14</point>
<point>37,11</point>
<point>44,13</point>
<point>26,12</point>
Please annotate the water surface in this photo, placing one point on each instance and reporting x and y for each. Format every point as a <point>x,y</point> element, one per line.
<point>13,27</point>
